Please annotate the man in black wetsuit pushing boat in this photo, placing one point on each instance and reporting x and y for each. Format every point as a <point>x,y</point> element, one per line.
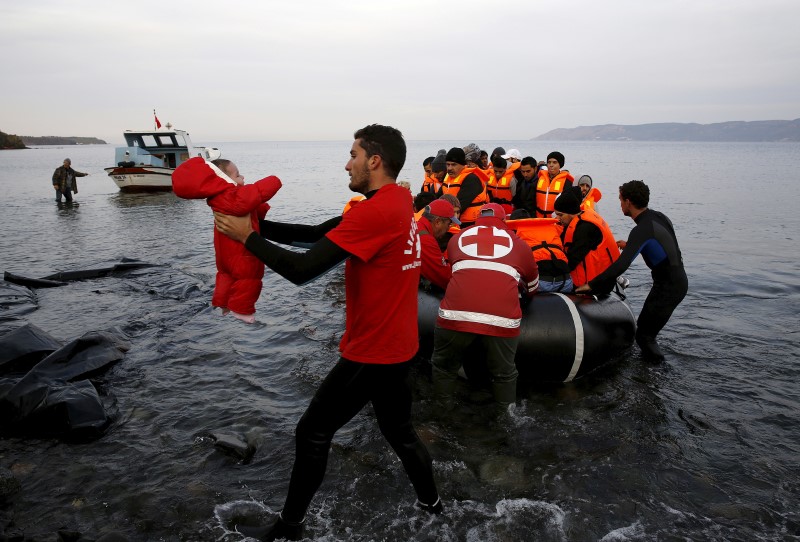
<point>654,238</point>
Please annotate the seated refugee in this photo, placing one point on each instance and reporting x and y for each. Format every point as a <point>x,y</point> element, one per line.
<point>468,184</point>
<point>495,172</point>
<point>502,184</point>
<point>492,267</point>
<point>426,167</point>
<point>543,235</point>
<point>588,241</point>
<point>551,183</point>
<point>526,175</point>
<point>589,195</point>
<point>239,272</point>
<point>432,227</point>
<point>483,161</point>
<point>434,180</point>
<point>421,201</point>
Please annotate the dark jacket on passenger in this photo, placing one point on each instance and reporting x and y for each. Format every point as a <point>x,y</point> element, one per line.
<point>525,195</point>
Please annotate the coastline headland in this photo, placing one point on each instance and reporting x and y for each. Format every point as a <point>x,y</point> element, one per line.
<point>12,141</point>
<point>762,130</point>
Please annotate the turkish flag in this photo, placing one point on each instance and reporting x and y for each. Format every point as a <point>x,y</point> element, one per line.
<point>158,122</point>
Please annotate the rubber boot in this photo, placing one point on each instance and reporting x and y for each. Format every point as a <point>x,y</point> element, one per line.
<point>279,530</point>
<point>505,393</point>
<point>650,349</point>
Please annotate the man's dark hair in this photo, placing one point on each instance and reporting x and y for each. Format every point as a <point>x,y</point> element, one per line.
<point>636,192</point>
<point>427,161</point>
<point>528,161</point>
<point>422,200</point>
<point>386,142</point>
<point>499,161</point>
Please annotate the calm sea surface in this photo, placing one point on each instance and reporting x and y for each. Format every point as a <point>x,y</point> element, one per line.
<point>701,447</point>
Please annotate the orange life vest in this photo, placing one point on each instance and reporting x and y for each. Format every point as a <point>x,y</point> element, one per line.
<point>353,201</point>
<point>491,183</point>
<point>548,190</point>
<point>591,199</point>
<point>453,186</point>
<point>431,184</point>
<point>500,192</point>
<point>543,236</point>
<point>596,260</point>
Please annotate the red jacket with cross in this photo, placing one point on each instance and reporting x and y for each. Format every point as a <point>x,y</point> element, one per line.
<point>491,268</point>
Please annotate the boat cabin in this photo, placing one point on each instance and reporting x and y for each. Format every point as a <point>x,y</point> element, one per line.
<point>159,149</point>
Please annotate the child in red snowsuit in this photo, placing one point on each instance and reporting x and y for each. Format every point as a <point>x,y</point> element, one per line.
<point>239,273</point>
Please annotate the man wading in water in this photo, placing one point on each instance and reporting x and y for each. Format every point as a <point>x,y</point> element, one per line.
<point>654,238</point>
<point>64,181</point>
<point>378,238</point>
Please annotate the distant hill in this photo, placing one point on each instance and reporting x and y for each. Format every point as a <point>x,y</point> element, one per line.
<point>61,140</point>
<point>762,130</point>
<point>8,141</point>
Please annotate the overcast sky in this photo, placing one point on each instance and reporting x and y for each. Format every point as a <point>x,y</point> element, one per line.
<point>318,69</point>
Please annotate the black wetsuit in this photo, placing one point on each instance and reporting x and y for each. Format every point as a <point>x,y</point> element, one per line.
<point>297,267</point>
<point>348,387</point>
<point>653,237</point>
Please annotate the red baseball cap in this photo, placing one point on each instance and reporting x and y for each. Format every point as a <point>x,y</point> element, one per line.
<point>443,209</point>
<point>493,209</point>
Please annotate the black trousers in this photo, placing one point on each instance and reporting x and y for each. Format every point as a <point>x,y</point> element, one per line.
<point>344,392</point>
<point>67,193</point>
<point>664,296</point>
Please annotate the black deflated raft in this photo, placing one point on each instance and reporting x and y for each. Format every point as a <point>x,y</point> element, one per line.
<point>562,337</point>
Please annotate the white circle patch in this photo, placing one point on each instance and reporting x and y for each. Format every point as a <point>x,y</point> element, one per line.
<point>485,242</point>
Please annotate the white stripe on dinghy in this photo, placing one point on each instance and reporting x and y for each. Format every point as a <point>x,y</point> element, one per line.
<point>580,343</point>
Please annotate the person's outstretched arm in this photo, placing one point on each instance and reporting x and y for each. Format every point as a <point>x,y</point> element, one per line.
<point>287,234</point>
<point>296,267</point>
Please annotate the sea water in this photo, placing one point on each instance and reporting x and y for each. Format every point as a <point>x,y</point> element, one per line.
<point>701,447</point>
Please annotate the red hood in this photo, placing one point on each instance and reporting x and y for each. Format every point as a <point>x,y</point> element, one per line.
<point>197,178</point>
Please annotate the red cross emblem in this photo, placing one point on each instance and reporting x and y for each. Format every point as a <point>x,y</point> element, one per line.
<point>485,242</point>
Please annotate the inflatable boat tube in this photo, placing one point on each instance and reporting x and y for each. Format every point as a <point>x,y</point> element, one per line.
<point>63,277</point>
<point>562,336</point>
<point>29,282</point>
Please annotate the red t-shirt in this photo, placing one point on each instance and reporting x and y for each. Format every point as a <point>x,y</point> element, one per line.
<point>381,277</point>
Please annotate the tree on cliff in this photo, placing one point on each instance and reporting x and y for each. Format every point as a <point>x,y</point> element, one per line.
<point>8,141</point>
